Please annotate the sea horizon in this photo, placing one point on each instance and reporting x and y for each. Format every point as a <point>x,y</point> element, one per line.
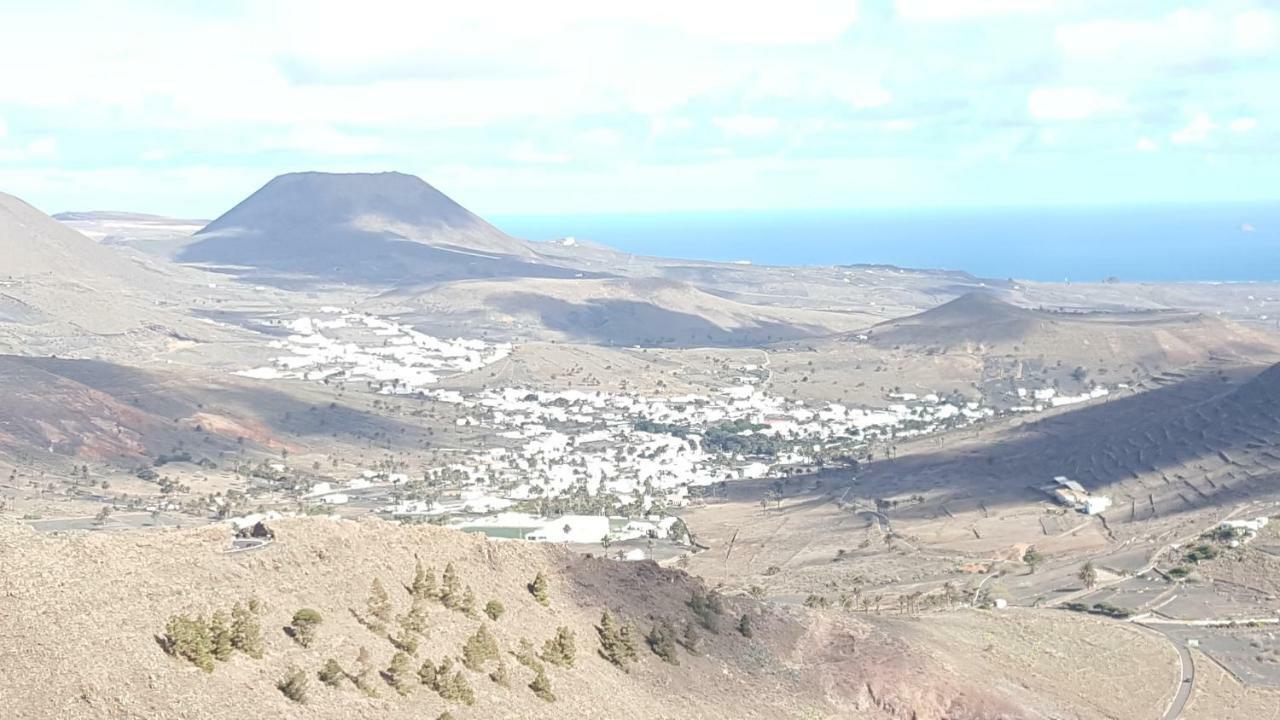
<point>1224,242</point>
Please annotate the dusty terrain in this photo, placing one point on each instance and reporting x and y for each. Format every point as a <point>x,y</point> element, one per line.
<point>122,419</point>
<point>91,653</point>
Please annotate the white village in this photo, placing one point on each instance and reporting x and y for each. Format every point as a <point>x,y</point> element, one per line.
<point>588,466</point>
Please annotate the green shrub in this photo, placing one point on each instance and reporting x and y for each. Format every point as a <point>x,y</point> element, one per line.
<point>404,641</point>
<point>708,607</point>
<point>294,685</point>
<point>189,638</point>
<point>662,641</point>
<point>415,621</point>
<point>451,590</point>
<point>501,675</point>
<point>527,657</point>
<point>691,640</point>
<point>479,649</point>
<point>331,673</point>
<point>744,626</point>
<point>617,643</point>
<point>304,625</point>
<point>538,588</point>
<point>378,606</point>
<point>398,673</point>
<point>560,650</point>
<point>220,636</point>
<point>246,632</point>
<point>494,610</point>
<point>541,686</point>
<point>427,674</point>
<point>424,583</point>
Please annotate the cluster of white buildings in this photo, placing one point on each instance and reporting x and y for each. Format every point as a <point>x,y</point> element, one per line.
<point>391,356</point>
<point>576,441</point>
<point>1040,399</point>
<point>638,451</point>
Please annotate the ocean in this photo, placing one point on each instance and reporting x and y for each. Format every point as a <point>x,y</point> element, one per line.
<point>1140,243</point>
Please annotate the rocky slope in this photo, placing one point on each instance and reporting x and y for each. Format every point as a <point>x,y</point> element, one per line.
<point>83,617</point>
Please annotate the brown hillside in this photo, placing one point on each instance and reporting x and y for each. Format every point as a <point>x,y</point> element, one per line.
<point>80,615</point>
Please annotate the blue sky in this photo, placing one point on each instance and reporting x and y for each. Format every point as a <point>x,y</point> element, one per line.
<point>570,106</point>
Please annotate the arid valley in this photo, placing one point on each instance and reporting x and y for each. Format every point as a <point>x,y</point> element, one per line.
<point>843,491</point>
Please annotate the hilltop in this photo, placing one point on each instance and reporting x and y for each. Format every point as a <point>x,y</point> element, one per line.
<point>61,292</point>
<point>85,614</point>
<point>359,227</point>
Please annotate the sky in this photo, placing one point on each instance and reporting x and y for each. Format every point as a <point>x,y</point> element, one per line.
<point>574,106</point>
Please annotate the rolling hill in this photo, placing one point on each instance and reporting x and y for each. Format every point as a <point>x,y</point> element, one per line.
<point>88,614</point>
<point>646,311</point>
<point>62,293</point>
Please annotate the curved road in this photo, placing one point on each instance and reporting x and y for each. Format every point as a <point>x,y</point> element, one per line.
<point>1186,682</point>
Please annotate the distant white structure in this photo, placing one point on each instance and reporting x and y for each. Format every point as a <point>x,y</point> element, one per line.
<point>1072,494</point>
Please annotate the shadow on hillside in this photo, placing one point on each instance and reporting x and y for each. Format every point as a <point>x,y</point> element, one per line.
<point>1170,433</point>
<point>168,398</point>
<point>359,257</point>
<point>635,322</point>
<point>1152,446</point>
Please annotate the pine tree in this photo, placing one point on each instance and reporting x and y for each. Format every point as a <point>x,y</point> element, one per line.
<point>294,685</point>
<point>189,639</point>
<point>363,678</point>
<point>468,603</point>
<point>424,583</point>
<point>220,636</point>
<point>378,605</point>
<point>246,633</point>
<point>479,649</point>
<point>331,673</point>
<point>527,657</point>
<point>415,620</point>
<point>612,647</point>
<point>662,640</point>
<point>398,673</point>
<point>627,635</point>
<point>560,650</point>
<point>501,675</point>
<point>404,641</point>
<point>691,639</point>
<point>541,686</point>
<point>427,674</point>
<point>451,591</point>
<point>538,588</point>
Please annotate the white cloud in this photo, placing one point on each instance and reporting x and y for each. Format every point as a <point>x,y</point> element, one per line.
<point>941,10</point>
<point>4,129</point>
<point>748,126</point>
<point>1183,37</point>
<point>325,140</point>
<point>1243,125</point>
<point>38,149</point>
<point>900,125</point>
<point>1146,144</point>
<point>1256,30</point>
<point>1196,131</point>
<point>1070,103</point>
<point>526,153</point>
<point>154,155</point>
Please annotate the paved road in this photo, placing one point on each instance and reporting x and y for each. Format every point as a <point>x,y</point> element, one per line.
<point>1187,680</point>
